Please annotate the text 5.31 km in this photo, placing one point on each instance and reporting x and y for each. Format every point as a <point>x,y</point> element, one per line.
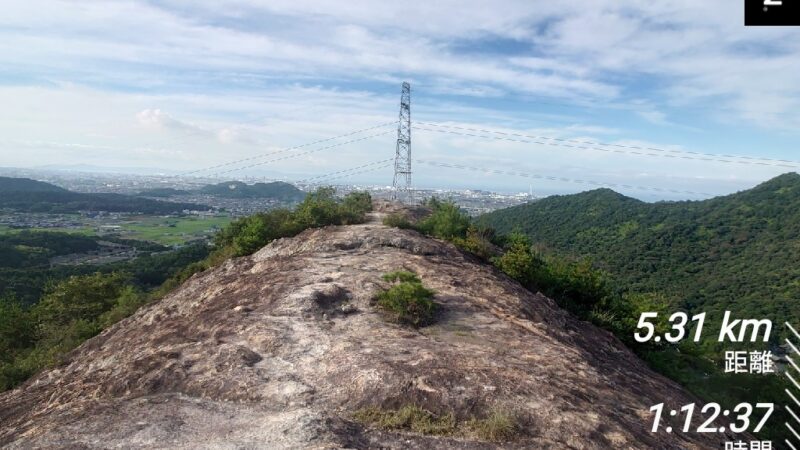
<point>733,330</point>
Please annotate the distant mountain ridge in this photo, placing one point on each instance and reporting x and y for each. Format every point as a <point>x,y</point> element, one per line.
<point>277,190</point>
<point>162,192</point>
<point>741,249</point>
<point>26,195</point>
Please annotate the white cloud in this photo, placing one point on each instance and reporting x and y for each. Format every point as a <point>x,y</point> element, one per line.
<point>155,118</point>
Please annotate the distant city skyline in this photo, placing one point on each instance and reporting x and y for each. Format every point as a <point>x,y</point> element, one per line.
<point>178,86</point>
<point>122,180</point>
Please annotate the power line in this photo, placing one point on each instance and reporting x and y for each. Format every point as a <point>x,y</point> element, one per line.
<point>284,150</point>
<point>569,180</point>
<point>302,154</point>
<point>345,170</point>
<point>665,153</point>
<point>196,131</point>
<point>383,166</point>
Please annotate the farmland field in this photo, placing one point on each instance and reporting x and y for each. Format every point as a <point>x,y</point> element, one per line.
<point>171,230</point>
<point>162,230</point>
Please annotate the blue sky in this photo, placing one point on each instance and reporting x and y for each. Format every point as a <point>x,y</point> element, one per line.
<point>184,85</point>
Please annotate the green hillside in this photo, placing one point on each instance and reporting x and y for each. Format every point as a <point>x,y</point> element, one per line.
<point>737,252</point>
<point>277,190</point>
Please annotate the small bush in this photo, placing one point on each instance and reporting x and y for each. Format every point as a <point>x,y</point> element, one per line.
<point>408,301</point>
<point>319,208</point>
<point>397,221</point>
<point>478,241</point>
<point>447,221</point>
<point>519,262</point>
<point>402,276</point>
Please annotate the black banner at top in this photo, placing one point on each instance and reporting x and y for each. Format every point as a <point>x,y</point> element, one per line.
<point>772,12</point>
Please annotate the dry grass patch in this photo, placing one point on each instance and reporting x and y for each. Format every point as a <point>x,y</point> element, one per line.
<point>499,426</point>
<point>410,418</point>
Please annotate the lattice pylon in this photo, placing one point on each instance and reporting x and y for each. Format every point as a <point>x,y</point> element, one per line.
<point>401,185</point>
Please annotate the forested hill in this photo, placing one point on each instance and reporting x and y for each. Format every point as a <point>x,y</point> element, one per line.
<point>277,190</point>
<point>26,195</point>
<point>738,252</point>
<point>9,185</point>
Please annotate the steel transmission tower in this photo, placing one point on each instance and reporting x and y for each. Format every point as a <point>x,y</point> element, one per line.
<point>402,161</point>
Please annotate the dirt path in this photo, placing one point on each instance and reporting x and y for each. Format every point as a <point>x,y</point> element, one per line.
<point>375,218</point>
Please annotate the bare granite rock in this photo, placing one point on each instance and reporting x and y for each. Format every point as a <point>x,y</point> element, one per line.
<point>278,350</point>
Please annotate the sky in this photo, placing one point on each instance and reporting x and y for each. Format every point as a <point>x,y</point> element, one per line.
<point>676,99</point>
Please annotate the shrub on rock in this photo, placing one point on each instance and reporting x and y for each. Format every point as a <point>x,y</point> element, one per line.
<point>407,301</point>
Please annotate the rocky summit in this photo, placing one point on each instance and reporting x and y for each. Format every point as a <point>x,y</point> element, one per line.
<point>287,349</point>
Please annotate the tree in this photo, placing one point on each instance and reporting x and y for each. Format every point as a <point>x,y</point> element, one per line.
<point>318,209</point>
<point>518,261</point>
<point>16,329</point>
<point>76,304</point>
<point>355,204</point>
<point>447,221</point>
